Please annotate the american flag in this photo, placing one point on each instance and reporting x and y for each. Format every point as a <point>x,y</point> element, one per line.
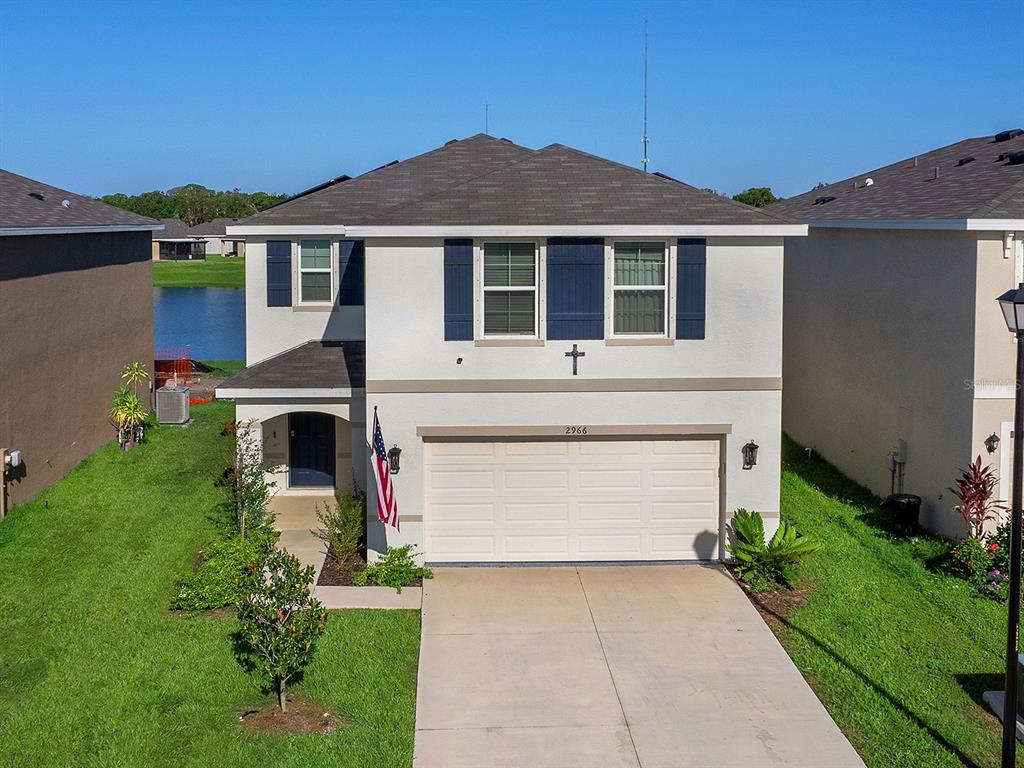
<point>387,506</point>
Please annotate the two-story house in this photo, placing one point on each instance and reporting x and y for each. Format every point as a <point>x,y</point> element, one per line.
<point>570,353</point>
<point>898,365</point>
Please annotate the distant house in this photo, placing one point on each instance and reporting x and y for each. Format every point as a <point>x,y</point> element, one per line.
<point>76,304</point>
<point>177,242</point>
<point>898,365</point>
<point>180,242</point>
<point>216,239</point>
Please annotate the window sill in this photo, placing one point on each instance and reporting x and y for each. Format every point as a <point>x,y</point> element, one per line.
<point>509,342</point>
<point>639,341</point>
<point>313,308</point>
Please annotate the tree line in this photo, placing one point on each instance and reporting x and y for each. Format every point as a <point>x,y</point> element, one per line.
<point>194,203</point>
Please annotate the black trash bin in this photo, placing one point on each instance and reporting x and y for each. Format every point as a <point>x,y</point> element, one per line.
<point>905,509</point>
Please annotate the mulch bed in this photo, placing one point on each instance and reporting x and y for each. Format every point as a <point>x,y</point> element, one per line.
<point>302,717</point>
<point>775,607</point>
<point>333,575</point>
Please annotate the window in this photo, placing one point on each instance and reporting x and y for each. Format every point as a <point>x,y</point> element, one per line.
<point>315,270</point>
<point>639,291</point>
<point>510,289</point>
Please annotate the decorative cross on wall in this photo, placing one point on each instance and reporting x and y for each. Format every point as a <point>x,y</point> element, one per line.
<point>575,355</point>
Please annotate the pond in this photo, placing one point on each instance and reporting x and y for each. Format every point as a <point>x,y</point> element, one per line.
<point>209,320</point>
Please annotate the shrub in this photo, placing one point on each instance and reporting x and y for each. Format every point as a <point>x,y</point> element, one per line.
<point>217,581</point>
<point>251,491</point>
<point>772,565</point>
<point>975,489</point>
<point>343,527</point>
<point>397,568</point>
<point>281,621</point>
<point>972,560</point>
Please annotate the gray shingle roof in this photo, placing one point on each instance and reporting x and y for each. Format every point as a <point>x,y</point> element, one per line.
<point>985,187</point>
<point>174,229</point>
<point>313,365</point>
<point>29,204</point>
<point>215,227</point>
<point>486,181</point>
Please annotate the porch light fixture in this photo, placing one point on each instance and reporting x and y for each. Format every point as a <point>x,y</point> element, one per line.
<point>750,454</point>
<point>1012,305</point>
<point>992,442</point>
<point>394,455</point>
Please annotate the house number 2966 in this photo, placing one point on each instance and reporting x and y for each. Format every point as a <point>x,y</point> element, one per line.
<point>576,430</point>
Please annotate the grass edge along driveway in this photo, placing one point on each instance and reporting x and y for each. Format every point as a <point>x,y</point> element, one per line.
<point>898,652</point>
<point>94,671</point>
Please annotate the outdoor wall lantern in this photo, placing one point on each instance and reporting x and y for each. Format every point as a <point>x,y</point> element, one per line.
<point>750,454</point>
<point>393,458</point>
<point>992,442</point>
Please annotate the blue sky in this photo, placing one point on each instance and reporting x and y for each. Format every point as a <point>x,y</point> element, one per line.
<point>112,96</point>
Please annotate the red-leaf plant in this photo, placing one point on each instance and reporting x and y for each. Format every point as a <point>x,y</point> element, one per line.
<point>975,489</point>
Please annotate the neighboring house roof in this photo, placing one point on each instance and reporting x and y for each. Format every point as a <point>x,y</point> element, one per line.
<point>31,207</point>
<point>989,185</point>
<point>486,181</point>
<point>313,365</point>
<point>174,229</point>
<point>216,227</point>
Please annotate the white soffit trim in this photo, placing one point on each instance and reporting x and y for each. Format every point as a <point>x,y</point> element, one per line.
<point>284,229</point>
<point>532,230</point>
<point>942,224</point>
<point>610,230</point>
<point>11,231</point>
<point>286,394</point>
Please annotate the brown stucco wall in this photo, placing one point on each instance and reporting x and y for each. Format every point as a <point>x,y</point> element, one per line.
<point>73,310</point>
<point>879,337</point>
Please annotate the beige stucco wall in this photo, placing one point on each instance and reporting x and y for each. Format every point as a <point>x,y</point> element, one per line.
<point>879,346</point>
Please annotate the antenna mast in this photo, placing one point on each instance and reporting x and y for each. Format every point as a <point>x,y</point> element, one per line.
<point>487,119</point>
<point>646,140</point>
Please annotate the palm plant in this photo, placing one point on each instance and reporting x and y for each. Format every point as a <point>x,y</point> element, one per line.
<point>133,373</point>
<point>127,414</point>
<point>767,566</point>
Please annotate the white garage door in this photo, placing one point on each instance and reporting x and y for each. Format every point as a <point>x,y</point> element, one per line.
<point>579,500</point>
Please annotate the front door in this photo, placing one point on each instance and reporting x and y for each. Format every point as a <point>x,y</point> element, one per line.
<point>311,454</point>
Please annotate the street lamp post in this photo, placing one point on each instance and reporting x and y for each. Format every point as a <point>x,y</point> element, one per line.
<point>1012,304</point>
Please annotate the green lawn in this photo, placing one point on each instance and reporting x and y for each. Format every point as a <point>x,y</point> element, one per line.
<point>94,671</point>
<point>215,272</point>
<point>898,653</point>
<point>225,367</point>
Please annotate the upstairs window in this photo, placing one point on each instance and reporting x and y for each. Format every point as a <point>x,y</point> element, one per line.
<point>315,271</point>
<point>640,292</point>
<point>510,289</point>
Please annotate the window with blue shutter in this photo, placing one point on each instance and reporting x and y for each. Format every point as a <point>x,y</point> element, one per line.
<point>458,290</point>
<point>279,273</point>
<point>691,288</point>
<point>575,288</point>
<point>351,273</point>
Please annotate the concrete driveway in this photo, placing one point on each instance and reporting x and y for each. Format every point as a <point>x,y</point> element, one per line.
<point>652,666</point>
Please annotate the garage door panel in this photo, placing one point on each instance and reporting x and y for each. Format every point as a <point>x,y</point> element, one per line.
<point>588,499</point>
<point>516,512</point>
<point>534,479</point>
<point>605,511</point>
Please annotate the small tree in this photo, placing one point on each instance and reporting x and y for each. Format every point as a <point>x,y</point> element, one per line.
<point>976,490</point>
<point>251,489</point>
<point>281,620</point>
<point>758,197</point>
<point>127,415</point>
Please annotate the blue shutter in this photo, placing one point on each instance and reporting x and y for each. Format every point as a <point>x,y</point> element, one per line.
<point>691,290</point>
<point>575,288</point>
<point>279,273</point>
<point>351,273</point>
<point>458,290</point>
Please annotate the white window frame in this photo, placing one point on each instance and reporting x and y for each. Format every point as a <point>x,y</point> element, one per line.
<point>538,262</point>
<point>300,270</point>
<point>668,253</point>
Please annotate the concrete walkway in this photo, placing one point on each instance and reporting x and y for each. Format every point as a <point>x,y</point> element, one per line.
<point>624,667</point>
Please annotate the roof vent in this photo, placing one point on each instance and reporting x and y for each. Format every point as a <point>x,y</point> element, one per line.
<point>824,199</point>
<point>36,195</point>
<point>964,161</point>
<point>506,140</point>
<point>1015,158</point>
<point>1007,135</point>
<point>449,143</point>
